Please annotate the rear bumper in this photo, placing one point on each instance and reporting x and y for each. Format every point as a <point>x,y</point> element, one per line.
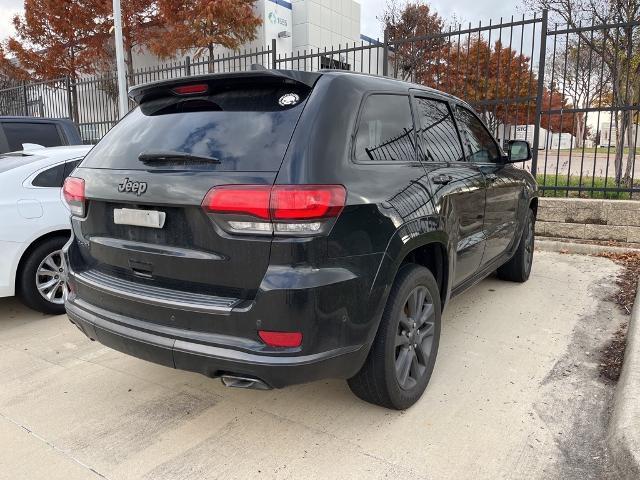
<point>158,345</point>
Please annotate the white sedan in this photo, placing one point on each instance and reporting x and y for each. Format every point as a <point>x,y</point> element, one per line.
<point>35,224</point>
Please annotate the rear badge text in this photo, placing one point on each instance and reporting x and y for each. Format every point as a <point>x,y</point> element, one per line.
<point>131,186</point>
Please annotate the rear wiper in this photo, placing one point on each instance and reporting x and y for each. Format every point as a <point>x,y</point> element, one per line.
<point>169,156</point>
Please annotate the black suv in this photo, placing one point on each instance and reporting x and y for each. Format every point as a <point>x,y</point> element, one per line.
<point>278,227</point>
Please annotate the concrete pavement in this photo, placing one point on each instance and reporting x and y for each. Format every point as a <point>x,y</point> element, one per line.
<point>514,394</point>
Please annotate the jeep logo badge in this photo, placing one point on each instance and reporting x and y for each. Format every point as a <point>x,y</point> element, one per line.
<point>132,186</point>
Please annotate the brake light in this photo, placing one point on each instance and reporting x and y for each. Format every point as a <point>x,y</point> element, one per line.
<point>244,199</point>
<point>73,192</point>
<point>281,339</point>
<point>307,202</point>
<point>194,89</point>
<point>284,209</point>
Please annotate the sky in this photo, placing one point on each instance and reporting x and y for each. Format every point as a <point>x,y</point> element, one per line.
<point>8,8</point>
<point>462,10</point>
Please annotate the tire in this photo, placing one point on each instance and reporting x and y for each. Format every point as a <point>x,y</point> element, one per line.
<point>43,259</point>
<point>518,268</point>
<point>378,381</point>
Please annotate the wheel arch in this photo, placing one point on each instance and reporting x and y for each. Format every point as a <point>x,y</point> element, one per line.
<point>533,205</point>
<point>433,256</point>
<point>33,245</point>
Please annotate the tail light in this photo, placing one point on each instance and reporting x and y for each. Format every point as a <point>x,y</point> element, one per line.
<point>73,192</point>
<point>283,209</point>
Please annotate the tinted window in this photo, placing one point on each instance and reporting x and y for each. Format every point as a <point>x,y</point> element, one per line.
<point>479,144</point>
<point>247,128</point>
<point>385,132</point>
<point>45,134</point>
<point>51,177</point>
<point>438,139</point>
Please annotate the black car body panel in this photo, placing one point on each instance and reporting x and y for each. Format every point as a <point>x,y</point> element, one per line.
<point>193,295</point>
<point>48,132</point>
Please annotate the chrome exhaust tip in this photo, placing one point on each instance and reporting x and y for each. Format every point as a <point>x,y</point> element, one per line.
<point>244,382</point>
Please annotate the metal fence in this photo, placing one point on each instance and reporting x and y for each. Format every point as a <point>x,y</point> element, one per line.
<point>572,91</point>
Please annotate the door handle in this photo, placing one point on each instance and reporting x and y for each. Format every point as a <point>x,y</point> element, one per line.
<point>492,177</point>
<point>441,179</point>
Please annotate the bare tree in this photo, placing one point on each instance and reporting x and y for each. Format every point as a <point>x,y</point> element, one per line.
<point>580,74</point>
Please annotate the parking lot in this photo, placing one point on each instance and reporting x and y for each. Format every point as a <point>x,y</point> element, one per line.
<point>515,394</point>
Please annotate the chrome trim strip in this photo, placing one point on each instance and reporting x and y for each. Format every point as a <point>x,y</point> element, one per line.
<point>158,296</point>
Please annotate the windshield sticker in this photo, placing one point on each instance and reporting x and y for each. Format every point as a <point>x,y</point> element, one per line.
<point>288,99</point>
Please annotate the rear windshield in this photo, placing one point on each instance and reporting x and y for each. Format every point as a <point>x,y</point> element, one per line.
<point>244,129</point>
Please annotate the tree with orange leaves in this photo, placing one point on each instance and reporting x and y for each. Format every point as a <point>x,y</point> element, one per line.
<point>141,27</point>
<point>415,35</point>
<point>554,100</point>
<point>58,38</point>
<point>10,72</point>
<point>203,24</point>
<point>495,78</point>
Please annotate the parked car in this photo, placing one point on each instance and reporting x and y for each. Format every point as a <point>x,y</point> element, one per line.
<point>48,132</point>
<point>278,227</point>
<point>35,224</point>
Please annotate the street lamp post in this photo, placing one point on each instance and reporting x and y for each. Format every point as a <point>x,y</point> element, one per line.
<point>123,101</point>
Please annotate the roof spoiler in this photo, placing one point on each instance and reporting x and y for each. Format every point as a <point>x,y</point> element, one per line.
<point>163,88</point>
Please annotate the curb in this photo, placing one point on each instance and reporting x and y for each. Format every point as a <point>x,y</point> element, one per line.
<point>578,248</point>
<point>624,428</point>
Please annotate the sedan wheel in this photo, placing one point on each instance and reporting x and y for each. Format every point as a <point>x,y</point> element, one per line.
<point>50,278</point>
<point>41,279</point>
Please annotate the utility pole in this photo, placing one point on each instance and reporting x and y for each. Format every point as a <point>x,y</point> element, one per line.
<point>123,101</point>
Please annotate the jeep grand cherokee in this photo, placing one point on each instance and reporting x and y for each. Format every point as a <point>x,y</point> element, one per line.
<point>278,227</point>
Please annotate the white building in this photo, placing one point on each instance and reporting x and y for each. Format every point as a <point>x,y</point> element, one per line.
<point>546,140</point>
<point>563,141</point>
<point>526,132</point>
<point>297,26</point>
<point>608,136</point>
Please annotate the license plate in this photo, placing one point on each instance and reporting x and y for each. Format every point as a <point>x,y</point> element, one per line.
<point>140,218</point>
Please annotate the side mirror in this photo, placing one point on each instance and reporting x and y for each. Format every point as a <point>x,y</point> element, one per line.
<point>519,151</point>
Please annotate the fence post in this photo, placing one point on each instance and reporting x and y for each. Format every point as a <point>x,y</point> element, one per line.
<point>69,102</point>
<point>385,54</point>
<point>187,65</point>
<point>540,92</point>
<point>274,64</point>
<point>25,100</point>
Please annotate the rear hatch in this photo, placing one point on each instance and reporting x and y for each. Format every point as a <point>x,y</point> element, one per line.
<point>184,138</point>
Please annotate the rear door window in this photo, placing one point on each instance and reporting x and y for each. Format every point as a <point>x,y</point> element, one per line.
<point>385,130</point>
<point>438,139</point>
<point>240,128</point>
<point>18,133</point>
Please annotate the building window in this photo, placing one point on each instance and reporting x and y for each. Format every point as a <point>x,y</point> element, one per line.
<point>328,62</point>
